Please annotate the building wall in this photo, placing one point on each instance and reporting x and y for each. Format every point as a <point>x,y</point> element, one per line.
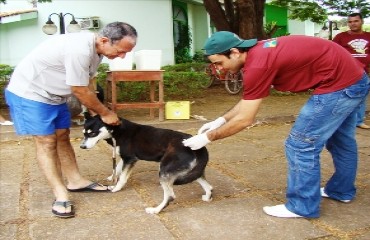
<point>278,15</point>
<point>199,26</point>
<point>151,18</point>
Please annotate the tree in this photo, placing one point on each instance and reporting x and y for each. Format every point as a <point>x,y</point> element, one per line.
<point>243,17</point>
<point>318,11</point>
<point>344,8</point>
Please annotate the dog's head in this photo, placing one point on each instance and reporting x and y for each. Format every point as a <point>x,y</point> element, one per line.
<point>94,130</point>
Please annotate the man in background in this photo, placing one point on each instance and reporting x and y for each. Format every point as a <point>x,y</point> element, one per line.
<point>357,42</point>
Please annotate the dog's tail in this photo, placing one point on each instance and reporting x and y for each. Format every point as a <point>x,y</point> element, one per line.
<point>197,170</point>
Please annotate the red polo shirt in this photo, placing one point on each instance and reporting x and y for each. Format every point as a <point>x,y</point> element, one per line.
<point>296,64</point>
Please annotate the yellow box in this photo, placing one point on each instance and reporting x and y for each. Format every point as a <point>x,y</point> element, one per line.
<point>177,110</point>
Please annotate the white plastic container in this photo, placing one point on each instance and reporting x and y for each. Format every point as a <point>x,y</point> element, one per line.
<point>148,59</point>
<point>119,64</point>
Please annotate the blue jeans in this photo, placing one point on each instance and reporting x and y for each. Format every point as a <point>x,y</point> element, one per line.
<point>361,113</point>
<point>326,119</point>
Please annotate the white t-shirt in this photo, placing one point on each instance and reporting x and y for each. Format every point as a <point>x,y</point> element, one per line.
<point>48,72</point>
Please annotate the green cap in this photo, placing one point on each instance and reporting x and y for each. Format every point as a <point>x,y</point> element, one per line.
<point>223,41</point>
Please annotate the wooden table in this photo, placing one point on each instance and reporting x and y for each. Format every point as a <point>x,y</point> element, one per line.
<point>151,76</point>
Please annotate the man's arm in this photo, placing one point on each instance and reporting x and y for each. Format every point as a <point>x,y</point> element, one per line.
<point>88,98</point>
<point>238,118</point>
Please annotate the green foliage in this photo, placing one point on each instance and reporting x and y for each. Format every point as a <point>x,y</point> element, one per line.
<point>182,55</point>
<point>5,73</point>
<point>199,57</point>
<point>186,67</point>
<point>344,8</point>
<point>182,48</point>
<point>102,74</point>
<point>183,85</point>
<point>303,10</point>
<point>318,11</point>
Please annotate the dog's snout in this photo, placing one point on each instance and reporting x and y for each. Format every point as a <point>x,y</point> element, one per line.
<point>83,144</point>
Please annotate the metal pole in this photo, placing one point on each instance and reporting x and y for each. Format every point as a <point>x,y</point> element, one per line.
<point>330,30</point>
<point>61,24</point>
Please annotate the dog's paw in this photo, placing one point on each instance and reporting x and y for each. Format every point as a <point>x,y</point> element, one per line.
<point>206,198</point>
<point>152,210</point>
<point>110,178</point>
<point>114,188</point>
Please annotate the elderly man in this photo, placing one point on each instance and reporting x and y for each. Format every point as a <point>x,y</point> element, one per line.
<point>37,94</point>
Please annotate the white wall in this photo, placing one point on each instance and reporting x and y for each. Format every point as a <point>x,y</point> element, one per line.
<point>199,25</point>
<point>307,28</point>
<point>152,19</point>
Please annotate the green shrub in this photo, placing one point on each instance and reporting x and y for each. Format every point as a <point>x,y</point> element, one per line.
<point>5,73</point>
<point>186,67</point>
<point>199,57</point>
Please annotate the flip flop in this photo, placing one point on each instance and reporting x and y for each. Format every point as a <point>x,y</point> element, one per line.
<point>90,188</point>
<point>65,205</point>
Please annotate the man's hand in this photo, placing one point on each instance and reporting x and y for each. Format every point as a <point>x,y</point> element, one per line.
<point>111,118</point>
<point>196,142</point>
<point>212,125</point>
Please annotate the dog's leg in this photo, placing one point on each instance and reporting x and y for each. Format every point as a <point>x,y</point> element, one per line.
<point>118,170</point>
<point>168,196</point>
<point>119,167</point>
<point>207,188</point>
<point>126,172</point>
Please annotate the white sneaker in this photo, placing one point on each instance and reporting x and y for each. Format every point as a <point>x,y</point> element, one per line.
<point>323,194</point>
<point>6,123</point>
<point>280,211</point>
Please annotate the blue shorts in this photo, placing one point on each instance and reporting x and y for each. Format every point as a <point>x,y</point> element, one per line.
<point>36,118</point>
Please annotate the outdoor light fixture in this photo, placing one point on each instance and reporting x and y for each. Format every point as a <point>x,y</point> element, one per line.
<point>50,28</point>
<point>332,26</point>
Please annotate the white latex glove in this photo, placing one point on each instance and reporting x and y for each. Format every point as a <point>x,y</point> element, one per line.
<point>212,125</point>
<point>196,142</point>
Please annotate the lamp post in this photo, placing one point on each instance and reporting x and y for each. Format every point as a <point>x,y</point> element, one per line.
<point>50,28</point>
<point>332,26</point>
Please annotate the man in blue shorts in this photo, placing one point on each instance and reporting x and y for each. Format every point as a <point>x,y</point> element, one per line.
<point>37,92</point>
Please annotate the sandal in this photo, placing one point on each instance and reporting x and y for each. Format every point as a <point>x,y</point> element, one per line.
<point>65,204</point>
<point>90,188</point>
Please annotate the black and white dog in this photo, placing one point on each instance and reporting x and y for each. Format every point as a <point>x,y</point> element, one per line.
<point>177,164</point>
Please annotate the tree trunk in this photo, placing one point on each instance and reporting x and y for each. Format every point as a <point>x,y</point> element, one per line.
<point>217,15</point>
<point>247,19</point>
<point>243,17</point>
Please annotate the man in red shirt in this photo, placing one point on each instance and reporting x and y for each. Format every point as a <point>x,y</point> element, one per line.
<point>357,42</point>
<point>296,63</point>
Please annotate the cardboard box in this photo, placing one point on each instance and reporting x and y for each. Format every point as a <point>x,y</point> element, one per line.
<point>177,110</point>
<point>148,59</point>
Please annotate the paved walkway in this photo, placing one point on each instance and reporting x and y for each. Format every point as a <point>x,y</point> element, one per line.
<point>247,171</point>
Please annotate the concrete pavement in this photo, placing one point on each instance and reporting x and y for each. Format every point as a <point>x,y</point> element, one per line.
<point>247,171</point>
